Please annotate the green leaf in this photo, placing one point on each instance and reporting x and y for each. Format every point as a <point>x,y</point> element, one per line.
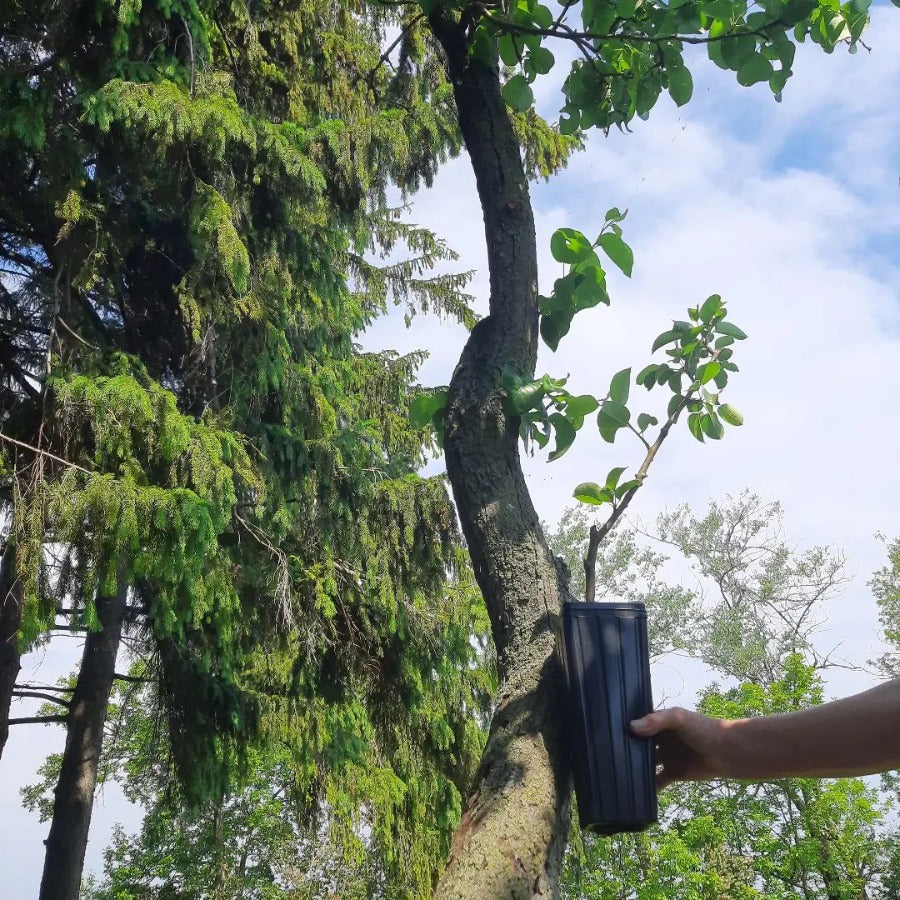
<point>709,308</point>
<point>754,69</point>
<point>730,330</point>
<point>618,412</point>
<point>681,85</point>
<point>731,415</point>
<point>620,386</point>
<point>721,380</point>
<point>526,396</point>
<point>428,6</point>
<point>565,434</point>
<point>694,426</point>
<point>645,375</point>
<point>509,50</point>
<point>666,338</point>
<point>618,251</point>
<point>708,371</point>
<point>554,328</point>
<point>518,94</point>
<point>737,50</point>
<point>645,420</point>
<point>540,60</point>
<point>612,479</point>
<point>591,492</point>
<point>569,246</point>
<point>541,15</point>
<point>613,214</point>
<point>582,405</point>
<point>627,486</point>
<point>711,426</point>
<point>425,406</point>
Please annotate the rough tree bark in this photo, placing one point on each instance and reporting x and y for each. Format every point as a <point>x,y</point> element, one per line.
<point>11,609</point>
<point>513,832</point>
<point>74,793</point>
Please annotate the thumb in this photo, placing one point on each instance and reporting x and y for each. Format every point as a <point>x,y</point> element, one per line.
<point>651,724</point>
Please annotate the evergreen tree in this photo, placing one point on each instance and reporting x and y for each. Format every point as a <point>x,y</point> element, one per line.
<point>194,450</point>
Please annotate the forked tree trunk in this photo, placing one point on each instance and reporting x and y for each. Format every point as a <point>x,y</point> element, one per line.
<point>513,833</point>
<point>74,794</point>
<point>11,609</point>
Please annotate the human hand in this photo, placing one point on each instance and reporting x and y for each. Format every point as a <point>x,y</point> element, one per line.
<point>691,747</point>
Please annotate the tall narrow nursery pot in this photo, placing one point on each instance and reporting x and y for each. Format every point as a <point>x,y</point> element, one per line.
<point>607,664</point>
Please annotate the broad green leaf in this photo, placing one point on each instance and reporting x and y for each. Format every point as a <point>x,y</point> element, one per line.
<point>618,412</point>
<point>644,376</point>
<point>754,69</point>
<point>710,307</point>
<point>518,94</point>
<point>694,426</point>
<point>666,338</point>
<point>738,50</point>
<point>541,15</point>
<point>554,328</point>
<point>730,330</point>
<point>582,405</point>
<point>565,434</point>
<point>711,426</point>
<point>540,60</point>
<point>618,251</point>
<point>612,479</point>
<point>721,380</point>
<point>620,386</point>
<point>613,214</point>
<point>627,486</point>
<point>591,492</point>
<point>569,246</point>
<point>645,420</point>
<point>425,405</point>
<point>681,85</point>
<point>731,415</point>
<point>708,371</point>
<point>509,50</point>
<point>541,438</point>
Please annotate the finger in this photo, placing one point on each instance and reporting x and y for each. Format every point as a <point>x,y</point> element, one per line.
<point>655,722</point>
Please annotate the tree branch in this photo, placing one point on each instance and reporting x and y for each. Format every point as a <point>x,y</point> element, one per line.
<point>47,453</point>
<point>38,720</point>
<point>560,30</point>
<point>597,534</point>
<point>40,696</point>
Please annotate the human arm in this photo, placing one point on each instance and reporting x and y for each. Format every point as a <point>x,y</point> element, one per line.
<point>858,735</point>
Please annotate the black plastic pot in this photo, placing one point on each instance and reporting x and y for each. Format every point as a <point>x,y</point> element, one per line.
<point>608,671</point>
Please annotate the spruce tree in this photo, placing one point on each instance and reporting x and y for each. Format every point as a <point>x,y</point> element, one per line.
<point>193,445</point>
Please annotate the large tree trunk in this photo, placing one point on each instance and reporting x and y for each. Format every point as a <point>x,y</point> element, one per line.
<point>513,832</point>
<point>10,623</point>
<point>74,794</point>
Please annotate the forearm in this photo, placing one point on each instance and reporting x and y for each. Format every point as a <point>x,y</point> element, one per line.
<point>855,736</point>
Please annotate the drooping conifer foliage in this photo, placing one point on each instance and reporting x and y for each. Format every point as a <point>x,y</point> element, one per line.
<point>190,198</point>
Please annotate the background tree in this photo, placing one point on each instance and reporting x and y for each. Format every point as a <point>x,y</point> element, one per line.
<point>794,838</point>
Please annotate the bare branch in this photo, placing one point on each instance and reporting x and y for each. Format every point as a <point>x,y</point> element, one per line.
<point>38,720</point>
<point>38,695</point>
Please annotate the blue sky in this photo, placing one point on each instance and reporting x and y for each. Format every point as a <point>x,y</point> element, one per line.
<point>792,212</point>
